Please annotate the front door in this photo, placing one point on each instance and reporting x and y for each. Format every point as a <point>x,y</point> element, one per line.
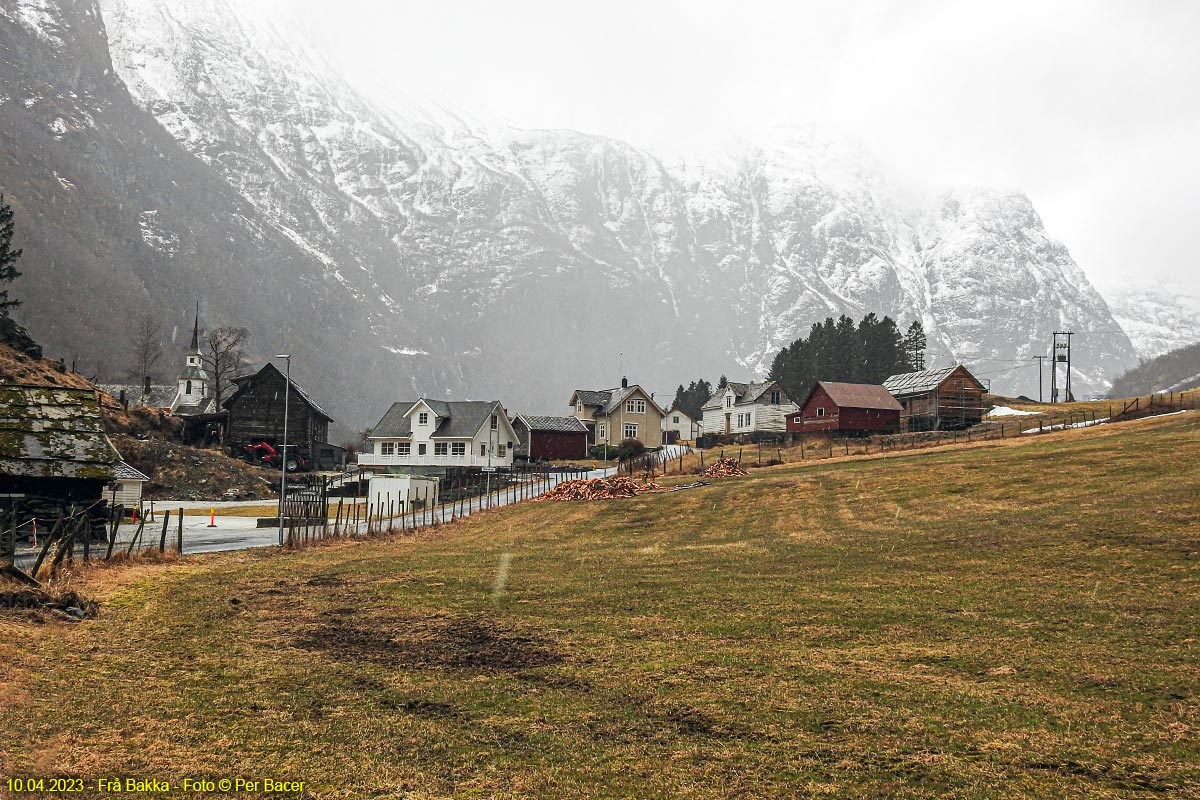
<point>728,422</point>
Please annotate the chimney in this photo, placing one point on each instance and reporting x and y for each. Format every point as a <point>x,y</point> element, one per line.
<point>624,383</point>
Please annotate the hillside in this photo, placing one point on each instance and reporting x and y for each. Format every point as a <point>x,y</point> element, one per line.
<point>1174,371</point>
<point>164,153</point>
<point>929,626</point>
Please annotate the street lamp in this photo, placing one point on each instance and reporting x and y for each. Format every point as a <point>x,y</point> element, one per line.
<point>287,389</point>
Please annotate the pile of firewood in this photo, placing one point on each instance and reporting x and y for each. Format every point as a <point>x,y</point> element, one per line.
<point>724,468</point>
<point>598,489</point>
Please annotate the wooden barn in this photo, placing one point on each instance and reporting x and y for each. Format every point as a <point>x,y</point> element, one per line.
<point>256,415</point>
<point>847,407</point>
<point>54,454</point>
<point>542,438</point>
<point>950,398</point>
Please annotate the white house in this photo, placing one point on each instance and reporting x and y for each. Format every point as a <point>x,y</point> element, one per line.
<point>127,485</point>
<point>742,408</point>
<point>680,423</point>
<point>437,433</point>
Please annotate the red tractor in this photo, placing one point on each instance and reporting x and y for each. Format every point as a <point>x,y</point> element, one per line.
<point>267,454</point>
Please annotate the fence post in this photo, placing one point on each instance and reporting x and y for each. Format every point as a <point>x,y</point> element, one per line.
<point>179,531</point>
<point>112,535</point>
<point>162,540</point>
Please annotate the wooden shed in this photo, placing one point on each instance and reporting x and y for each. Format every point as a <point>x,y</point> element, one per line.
<point>541,438</point>
<point>54,454</point>
<point>256,415</point>
<point>950,398</point>
<point>127,486</point>
<point>847,407</point>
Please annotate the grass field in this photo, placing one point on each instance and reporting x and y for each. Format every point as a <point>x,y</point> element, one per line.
<point>1017,618</point>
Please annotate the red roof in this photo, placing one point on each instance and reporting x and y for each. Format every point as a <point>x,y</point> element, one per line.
<point>859,395</point>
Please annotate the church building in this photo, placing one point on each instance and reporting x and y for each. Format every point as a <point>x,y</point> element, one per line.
<point>194,396</point>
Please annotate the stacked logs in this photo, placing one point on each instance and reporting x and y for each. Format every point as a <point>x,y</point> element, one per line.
<point>724,468</point>
<point>598,489</point>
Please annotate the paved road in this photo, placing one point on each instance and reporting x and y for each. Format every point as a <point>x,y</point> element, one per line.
<point>240,533</point>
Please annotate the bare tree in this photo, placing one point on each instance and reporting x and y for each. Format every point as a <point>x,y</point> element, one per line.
<point>224,356</point>
<point>146,352</point>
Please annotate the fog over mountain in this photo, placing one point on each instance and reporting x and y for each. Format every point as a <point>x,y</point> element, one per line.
<point>157,153</point>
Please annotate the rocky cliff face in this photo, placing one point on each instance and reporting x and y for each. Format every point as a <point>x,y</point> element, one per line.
<point>407,251</point>
<point>1157,318</point>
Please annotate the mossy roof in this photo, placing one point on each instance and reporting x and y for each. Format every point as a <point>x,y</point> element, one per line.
<point>53,432</point>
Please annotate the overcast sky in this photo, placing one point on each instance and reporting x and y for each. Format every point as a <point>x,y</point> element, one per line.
<point>1091,108</point>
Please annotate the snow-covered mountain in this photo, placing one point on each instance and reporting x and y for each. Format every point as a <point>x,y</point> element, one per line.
<point>1157,318</point>
<point>469,260</point>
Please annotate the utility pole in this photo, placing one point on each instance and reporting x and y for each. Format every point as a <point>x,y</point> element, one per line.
<point>1041,366</point>
<point>1060,354</point>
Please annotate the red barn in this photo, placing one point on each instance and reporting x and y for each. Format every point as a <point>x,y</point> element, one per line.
<point>854,407</point>
<point>550,437</point>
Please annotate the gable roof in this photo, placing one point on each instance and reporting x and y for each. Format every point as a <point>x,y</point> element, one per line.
<point>857,395</point>
<point>909,383</point>
<point>592,397</point>
<point>552,424</point>
<point>458,419</point>
<point>742,393</point>
<point>242,381</point>
<point>52,432</point>
<point>675,409</point>
<point>124,472</point>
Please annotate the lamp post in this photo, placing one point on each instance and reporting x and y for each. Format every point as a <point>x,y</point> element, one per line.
<point>287,389</point>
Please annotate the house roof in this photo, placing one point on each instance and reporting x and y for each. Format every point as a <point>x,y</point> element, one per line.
<point>858,395</point>
<point>243,380</point>
<point>675,409</point>
<point>909,383</point>
<point>553,424</point>
<point>205,406</point>
<point>593,397</point>
<point>52,432</point>
<point>161,394</point>
<point>459,419</point>
<point>742,393</point>
<point>124,472</point>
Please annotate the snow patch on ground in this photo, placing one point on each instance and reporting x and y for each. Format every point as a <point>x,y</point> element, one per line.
<point>1005,411</point>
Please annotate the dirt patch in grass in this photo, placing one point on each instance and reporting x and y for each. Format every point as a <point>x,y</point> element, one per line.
<point>461,642</point>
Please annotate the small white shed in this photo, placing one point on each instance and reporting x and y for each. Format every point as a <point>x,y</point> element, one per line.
<point>127,485</point>
<point>401,494</point>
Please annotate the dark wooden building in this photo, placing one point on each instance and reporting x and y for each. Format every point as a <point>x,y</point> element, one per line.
<point>950,398</point>
<point>54,454</point>
<point>846,407</point>
<point>256,415</point>
<point>541,438</point>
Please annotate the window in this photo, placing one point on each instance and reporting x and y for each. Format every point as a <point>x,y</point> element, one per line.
<point>483,449</point>
<point>675,419</point>
<point>797,420</point>
<point>404,448</point>
<point>458,449</point>
<point>502,451</point>
<point>423,418</point>
<point>493,422</point>
<point>728,401</point>
<point>421,449</point>
<point>439,448</point>
<point>630,430</point>
<point>189,388</point>
<point>775,398</point>
<point>602,431</point>
<point>579,406</point>
<point>635,406</point>
<point>387,448</point>
<point>820,411</point>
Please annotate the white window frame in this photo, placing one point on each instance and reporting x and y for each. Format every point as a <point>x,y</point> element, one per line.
<point>635,406</point>
<point>601,430</point>
<point>404,448</point>
<point>387,448</point>
<point>798,419</point>
<point>441,449</point>
<point>631,426</point>
<point>482,449</point>
<point>776,397</point>
<point>423,418</point>
<point>422,449</point>
<point>820,411</point>
<point>675,420</point>
<point>501,450</point>
<point>458,449</point>
<point>495,422</point>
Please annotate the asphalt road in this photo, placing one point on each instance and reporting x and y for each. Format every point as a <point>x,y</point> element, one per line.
<point>240,533</point>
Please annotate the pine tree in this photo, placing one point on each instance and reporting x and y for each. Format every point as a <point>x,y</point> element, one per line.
<point>914,346</point>
<point>8,257</point>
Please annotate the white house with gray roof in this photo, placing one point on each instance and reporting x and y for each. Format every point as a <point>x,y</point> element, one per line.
<point>744,408</point>
<point>439,433</point>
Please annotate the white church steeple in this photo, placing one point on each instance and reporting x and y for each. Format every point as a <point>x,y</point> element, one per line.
<point>193,396</point>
